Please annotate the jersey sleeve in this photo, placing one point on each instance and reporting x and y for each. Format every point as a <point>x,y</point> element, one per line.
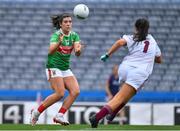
<point>54,38</point>
<point>158,51</point>
<point>128,39</point>
<point>76,38</point>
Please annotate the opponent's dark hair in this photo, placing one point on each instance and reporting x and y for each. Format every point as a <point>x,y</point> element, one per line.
<point>57,19</point>
<point>142,27</point>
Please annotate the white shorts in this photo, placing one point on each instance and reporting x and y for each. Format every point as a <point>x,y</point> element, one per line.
<point>136,77</point>
<point>54,72</point>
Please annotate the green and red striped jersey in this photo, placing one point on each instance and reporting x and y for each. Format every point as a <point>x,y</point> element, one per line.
<point>61,58</point>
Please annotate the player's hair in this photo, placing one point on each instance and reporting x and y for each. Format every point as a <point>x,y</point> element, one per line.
<point>142,27</point>
<point>57,19</point>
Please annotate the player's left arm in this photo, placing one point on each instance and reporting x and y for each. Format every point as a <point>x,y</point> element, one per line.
<point>77,48</point>
<point>158,57</point>
<point>77,45</point>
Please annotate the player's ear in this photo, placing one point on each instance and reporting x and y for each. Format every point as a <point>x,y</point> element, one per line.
<point>60,24</point>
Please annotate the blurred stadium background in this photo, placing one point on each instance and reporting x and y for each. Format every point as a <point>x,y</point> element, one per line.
<point>25,29</point>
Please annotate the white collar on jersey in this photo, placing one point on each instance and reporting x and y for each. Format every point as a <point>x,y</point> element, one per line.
<point>63,32</point>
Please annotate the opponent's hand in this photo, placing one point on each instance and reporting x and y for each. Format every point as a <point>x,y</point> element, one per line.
<point>104,57</point>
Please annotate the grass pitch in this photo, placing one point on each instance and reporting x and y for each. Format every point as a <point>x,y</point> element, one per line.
<point>85,127</point>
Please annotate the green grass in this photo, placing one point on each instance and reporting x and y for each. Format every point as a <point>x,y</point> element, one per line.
<point>85,127</point>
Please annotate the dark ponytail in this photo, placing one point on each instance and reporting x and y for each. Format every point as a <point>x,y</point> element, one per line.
<point>57,19</point>
<point>142,27</point>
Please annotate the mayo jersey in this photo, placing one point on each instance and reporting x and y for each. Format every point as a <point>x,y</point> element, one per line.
<point>61,58</point>
<point>141,54</point>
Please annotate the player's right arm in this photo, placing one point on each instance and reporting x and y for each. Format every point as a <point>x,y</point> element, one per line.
<point>55,42</point>
<point>119,43</point>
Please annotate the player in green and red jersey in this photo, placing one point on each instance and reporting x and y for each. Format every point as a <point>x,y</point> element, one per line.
<point>62,42</point>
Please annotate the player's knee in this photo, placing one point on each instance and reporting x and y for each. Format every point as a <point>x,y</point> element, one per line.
<point>75,93</point>
<point>59,95</point>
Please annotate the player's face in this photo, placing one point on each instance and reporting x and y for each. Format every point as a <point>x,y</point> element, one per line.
<point>66,24</point>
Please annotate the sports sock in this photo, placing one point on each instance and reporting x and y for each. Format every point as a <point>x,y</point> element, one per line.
<point>103,112</point>
<point>117,110</point>
<point>41,108</point>
<point>62,110</point>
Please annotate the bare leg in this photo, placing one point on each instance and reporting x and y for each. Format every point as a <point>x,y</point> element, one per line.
<point>73,88</point>
<point>120,99</point>
<point>57,85</point>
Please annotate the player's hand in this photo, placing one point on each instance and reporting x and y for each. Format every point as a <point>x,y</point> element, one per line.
<point>104,57</point>
<point>77,49</point>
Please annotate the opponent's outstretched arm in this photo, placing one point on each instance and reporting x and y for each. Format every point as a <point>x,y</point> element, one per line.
<point>119,43</point>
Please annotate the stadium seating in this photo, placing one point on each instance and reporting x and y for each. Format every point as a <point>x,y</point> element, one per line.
<point>25,29</point>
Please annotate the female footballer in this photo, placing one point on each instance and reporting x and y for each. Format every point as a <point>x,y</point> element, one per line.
<point>134,70</point>
<point>62,42</point>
